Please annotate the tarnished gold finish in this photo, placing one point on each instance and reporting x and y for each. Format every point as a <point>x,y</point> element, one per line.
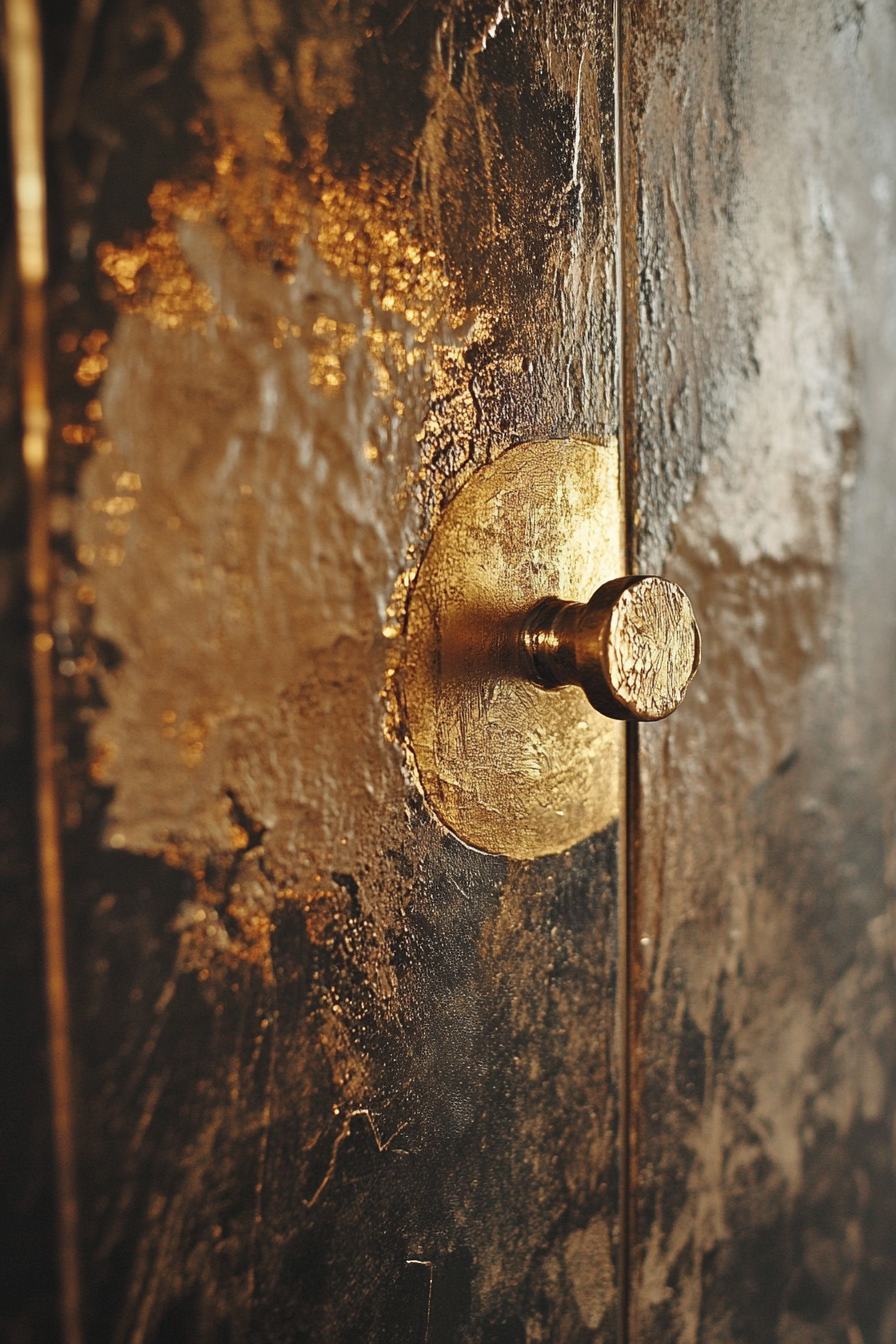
<point>507,767</point>
<point>634,648</point>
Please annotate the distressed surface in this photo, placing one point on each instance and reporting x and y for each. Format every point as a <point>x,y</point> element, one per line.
<point>342,1078</point>
<point>763,141</point>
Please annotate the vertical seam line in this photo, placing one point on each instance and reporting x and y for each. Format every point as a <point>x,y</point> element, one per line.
<point>628,884</point>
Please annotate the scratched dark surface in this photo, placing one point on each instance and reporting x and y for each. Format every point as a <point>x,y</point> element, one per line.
<point>340,1078</point>
<point>763,142</point>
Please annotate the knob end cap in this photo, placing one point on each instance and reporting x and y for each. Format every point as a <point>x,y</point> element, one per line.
<point>647,647</point>
<point>634,648</point>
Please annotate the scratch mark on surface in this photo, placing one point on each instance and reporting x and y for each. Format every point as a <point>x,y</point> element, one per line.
<point>382,1146</point>
<point>428,1264</point>
<point>577,143</point>
<point>127,1193</point>
<point>683,240</point>
<point>401,18</point>
<point>493,27</point>
<point>151,1040</point>
<point>262,1157</point>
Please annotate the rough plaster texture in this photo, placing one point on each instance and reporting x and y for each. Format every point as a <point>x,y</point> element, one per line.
<point>763,139</point>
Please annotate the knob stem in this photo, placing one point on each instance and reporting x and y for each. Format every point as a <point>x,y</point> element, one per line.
<point>633,648</point>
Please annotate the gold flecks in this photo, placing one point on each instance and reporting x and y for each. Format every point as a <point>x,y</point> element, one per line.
<point>211,944</point>
<point>123,265</point>
<point>152,277</point>
<point>86,553</point>
<point>128,480</point>
<point>175,856</point>
<point>78,433</point>
<point>193,733</point>
<point>93,410</point>
<point>224,161</point>
<point>103,756</point>
<point>86,595</point>
<point>239,837</point>
<point>364,230</point>
<point>94,341</point>
<point>367,232</point>
<point>393,721</point>
<point>397,604</point>
<point>335,340</point>
<point>94,364</point>
<point>117,505</point>
<point>385,348</point>
<point>318,906</point>
<point>91,369</point>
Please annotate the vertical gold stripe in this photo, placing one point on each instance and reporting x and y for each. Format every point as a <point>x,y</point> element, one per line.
<point>25,85</point>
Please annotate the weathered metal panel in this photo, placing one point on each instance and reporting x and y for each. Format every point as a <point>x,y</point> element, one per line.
<point>342,1078</point>
<point>763,142</point>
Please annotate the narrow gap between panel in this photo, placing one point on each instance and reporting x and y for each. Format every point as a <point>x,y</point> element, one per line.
<point>629,821</point>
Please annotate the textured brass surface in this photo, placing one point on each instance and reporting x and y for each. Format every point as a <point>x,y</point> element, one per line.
<point>507,767</point>
<point>634,648</point>
<point>653,648</point>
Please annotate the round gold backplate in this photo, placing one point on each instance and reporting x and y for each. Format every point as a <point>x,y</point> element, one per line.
<point>509,767</point>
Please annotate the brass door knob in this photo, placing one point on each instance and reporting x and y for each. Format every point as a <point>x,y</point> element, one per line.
<point>513,609</point>
<point>634,648</point>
